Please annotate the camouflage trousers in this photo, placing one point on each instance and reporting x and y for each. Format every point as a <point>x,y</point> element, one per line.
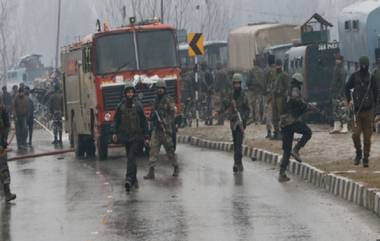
<point>340,111</point>
<point>5,177</point>
<point>161,139</point>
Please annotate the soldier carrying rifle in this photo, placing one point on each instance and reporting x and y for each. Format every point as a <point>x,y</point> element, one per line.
<point>237,105</point>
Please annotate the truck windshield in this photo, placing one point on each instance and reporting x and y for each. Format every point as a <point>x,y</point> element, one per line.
<point>115,53</point>
<point>157,49</point>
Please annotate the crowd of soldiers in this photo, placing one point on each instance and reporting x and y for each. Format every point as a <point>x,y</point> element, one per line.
<point>19,106</point>
<point>268,95</point>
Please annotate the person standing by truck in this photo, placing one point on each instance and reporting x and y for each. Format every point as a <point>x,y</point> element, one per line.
<point>55,104</point>
<point>163,116</point>
<point>131,130</point>
<point>30,116</point>
<point>20,108</point>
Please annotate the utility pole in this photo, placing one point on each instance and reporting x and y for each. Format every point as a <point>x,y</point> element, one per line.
<point>58,34</point>
<point>162,11</point>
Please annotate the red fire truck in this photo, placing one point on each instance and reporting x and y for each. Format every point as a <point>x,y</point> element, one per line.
<point>96,69</point>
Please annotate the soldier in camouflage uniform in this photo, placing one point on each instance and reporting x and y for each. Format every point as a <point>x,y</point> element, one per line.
<point>163,116</point>
<point>279,94</point>
<point>340,112</point>
<point>131,128</point>
<point>255,86</point>
<point>237,106</point>
<point>55,104</point>
<point>269,73</point>
<point>222,87</point>
<point>5,178</point>
<point>291,123</point>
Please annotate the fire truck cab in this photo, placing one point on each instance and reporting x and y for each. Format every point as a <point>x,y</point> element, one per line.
<point>96,69</point>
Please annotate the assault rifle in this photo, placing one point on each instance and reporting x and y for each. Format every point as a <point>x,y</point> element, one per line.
<point>239,122</point>
<point>160,121</point>
<point>353,108</point>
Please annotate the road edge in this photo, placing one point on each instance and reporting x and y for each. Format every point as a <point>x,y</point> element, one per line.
<point>355,192</point>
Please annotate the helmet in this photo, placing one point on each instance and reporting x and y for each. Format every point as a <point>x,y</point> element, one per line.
<point>161,84</point>
<point>364,61</point>
<point>129,85</point>
<point>237,78</point>
<point>298,77</point>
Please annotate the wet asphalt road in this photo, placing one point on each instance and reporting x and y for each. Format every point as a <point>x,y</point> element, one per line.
<point>68,199</point>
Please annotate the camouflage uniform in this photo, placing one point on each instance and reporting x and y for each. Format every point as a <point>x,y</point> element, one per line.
<point>222,87</point>
<point>239,99</point>
<point>162,132</point>
<point>279,94</point>
<point>5,177</point>
<point>340,112</point>
<point>55,105</point>
<point>255,86</point>
<point>267,99</point>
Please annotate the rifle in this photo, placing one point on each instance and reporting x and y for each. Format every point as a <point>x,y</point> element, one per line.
<point>160,121</point>
<point>239,122</point>
<point>353,108</point>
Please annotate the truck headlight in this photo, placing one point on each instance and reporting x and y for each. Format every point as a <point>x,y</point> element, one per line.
<point>107,117</point>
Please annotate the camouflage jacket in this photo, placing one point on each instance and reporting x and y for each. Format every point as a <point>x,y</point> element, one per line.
<point>164,109</point>
<point>280,84</point>
<point>242,106</point>
<point>339,80</point>
<point>256,80</point>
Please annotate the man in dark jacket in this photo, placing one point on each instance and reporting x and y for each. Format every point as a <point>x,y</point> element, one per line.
<point>291,123</point>
<point>236,104</point>
<point>361,95</point>
<point>20,106</point>
<point>131,129</point>
<point>7,99</point>
<point>30,116</point>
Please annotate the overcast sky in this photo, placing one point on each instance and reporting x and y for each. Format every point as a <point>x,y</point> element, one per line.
<point>36,19</point>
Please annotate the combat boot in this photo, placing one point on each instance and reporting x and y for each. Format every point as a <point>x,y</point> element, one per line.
<point>295,153</point>
<point>235,168</point>
<point>365,162</point>
<point>150,174</point>
<point>128,185</point>
<point>240,167</point>
<point>269,134</point>
<point>358,158</point>
<point>337,128</point>
<point>8,195</point>
<point>344,129</point>
<point>175,171</point>
<point>283,177</point>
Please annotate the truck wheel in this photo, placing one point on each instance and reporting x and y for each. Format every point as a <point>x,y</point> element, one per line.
<point>102,145</point>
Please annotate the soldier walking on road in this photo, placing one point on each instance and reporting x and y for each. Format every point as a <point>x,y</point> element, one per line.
<point>5,178</point>
<point>131,130</point>
<point>30,116</point>
<point>20,106</point>
<point>291,123</point>
<point>55,104</point>
<point>279,94</point>
<point>361,93</point>
<point>163,127</point>
<point>337,97</point>
<point>237,106</point>
<point>255,86</point>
